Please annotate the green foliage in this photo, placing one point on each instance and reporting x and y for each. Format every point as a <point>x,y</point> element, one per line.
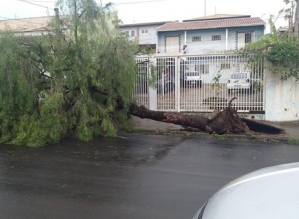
<point>284,57</point>
<point>282,52</point>
<point>26,132</point>
<point>215,82</point>
<point>78,82</point>
<point>293,141</point>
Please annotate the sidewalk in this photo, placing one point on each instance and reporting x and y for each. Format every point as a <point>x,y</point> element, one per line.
<point>291,128</point>
<point>152,125</point>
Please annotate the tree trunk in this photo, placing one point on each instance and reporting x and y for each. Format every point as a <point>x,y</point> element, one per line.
<point>225,121</point>
<point>219,122</point>
<point>176,118</point>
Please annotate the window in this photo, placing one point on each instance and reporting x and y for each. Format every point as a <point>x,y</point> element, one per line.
<point>216,37</point>
<point>172,44</point>
<point>144,31</point>
<point>196,38</point>
<point>225,66</point>
<point>239,76</point>
<point>243,38</point>
<point>130,33</point>
<point>203,69</point>
<point>247,38</point>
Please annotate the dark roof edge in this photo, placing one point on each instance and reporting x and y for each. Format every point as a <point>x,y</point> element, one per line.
<point>25,18</point>
<point>216,18</point>
<point>245,25</point>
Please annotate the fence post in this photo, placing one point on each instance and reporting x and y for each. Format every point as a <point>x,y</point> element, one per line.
<point>177,85</point>
<point>152,90</point>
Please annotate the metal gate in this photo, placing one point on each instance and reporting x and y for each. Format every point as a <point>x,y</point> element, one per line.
<point>201,83</point>
<point>142,86</point>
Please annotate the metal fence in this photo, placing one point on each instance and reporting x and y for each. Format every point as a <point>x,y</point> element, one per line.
<point>142,85</point>
<point>200,83</point>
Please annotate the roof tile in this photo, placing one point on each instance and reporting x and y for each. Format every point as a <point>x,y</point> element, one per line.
<point>209,24</point>
<point>26,24</point>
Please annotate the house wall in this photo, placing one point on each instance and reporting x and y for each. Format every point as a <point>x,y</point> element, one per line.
<point>161,47</point>
<point>206,44</point>
<point>150,37</point>
<point>281,98</point>
<point>129,30</point>
<point>145,34</point>
<point>259,31</point>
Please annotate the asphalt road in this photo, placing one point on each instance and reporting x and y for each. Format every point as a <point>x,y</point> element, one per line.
<point>148,177</point>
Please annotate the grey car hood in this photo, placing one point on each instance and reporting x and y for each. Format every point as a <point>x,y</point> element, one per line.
<point>269,193</point>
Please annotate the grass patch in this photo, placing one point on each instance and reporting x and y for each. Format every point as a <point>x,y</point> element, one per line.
<point>253,137</point>
<point>293,140</point>
<point>222,137</point>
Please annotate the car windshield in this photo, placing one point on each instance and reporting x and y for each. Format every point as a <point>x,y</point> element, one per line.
<point>239,76</point>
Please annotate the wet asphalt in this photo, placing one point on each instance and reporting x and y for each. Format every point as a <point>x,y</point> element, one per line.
<point>138,176</point>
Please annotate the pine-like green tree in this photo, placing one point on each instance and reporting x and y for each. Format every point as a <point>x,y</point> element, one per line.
<point>78,79</point>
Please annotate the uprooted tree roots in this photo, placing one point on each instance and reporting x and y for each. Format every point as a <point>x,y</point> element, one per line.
<point>227,121</point>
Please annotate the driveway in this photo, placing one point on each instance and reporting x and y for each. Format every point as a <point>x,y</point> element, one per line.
<point>138,176</point>
<point>210,97</point>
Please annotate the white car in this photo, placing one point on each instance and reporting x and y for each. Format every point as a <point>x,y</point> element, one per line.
<point>239,81</point>
<point>269,193</point>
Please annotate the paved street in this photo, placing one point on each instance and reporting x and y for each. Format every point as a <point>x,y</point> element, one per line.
<point>139,176</point>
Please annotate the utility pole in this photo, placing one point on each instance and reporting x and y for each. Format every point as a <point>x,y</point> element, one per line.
<point>291,17</point>
<point>205,8</point>
<point>58,27</point>
<point>296,23</point>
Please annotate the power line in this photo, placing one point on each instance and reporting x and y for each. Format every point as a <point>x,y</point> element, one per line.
<point>120,3</point>
<point>38,0</point>
<point>35,4</point>
<point>46,1</point>
<point>138,2</point>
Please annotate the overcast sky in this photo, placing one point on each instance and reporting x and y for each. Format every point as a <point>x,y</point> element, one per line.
<point>132,11</point>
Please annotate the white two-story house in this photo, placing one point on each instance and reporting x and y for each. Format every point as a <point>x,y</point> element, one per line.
<point>210,34</point>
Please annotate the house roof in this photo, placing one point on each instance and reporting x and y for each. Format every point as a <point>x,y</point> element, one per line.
<point>212,24</point>
<point>217,16</point>
<point>145,24</point>
<point>282,29</point>
<point>26,24</point>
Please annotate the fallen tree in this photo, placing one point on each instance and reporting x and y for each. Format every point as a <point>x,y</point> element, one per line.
<point>219,122</point>
<point>80,82</point>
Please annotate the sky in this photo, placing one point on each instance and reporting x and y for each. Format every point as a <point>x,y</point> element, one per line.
<point>139,11</point>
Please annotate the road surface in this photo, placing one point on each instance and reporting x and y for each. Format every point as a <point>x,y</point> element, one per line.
<point>136,177</point>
